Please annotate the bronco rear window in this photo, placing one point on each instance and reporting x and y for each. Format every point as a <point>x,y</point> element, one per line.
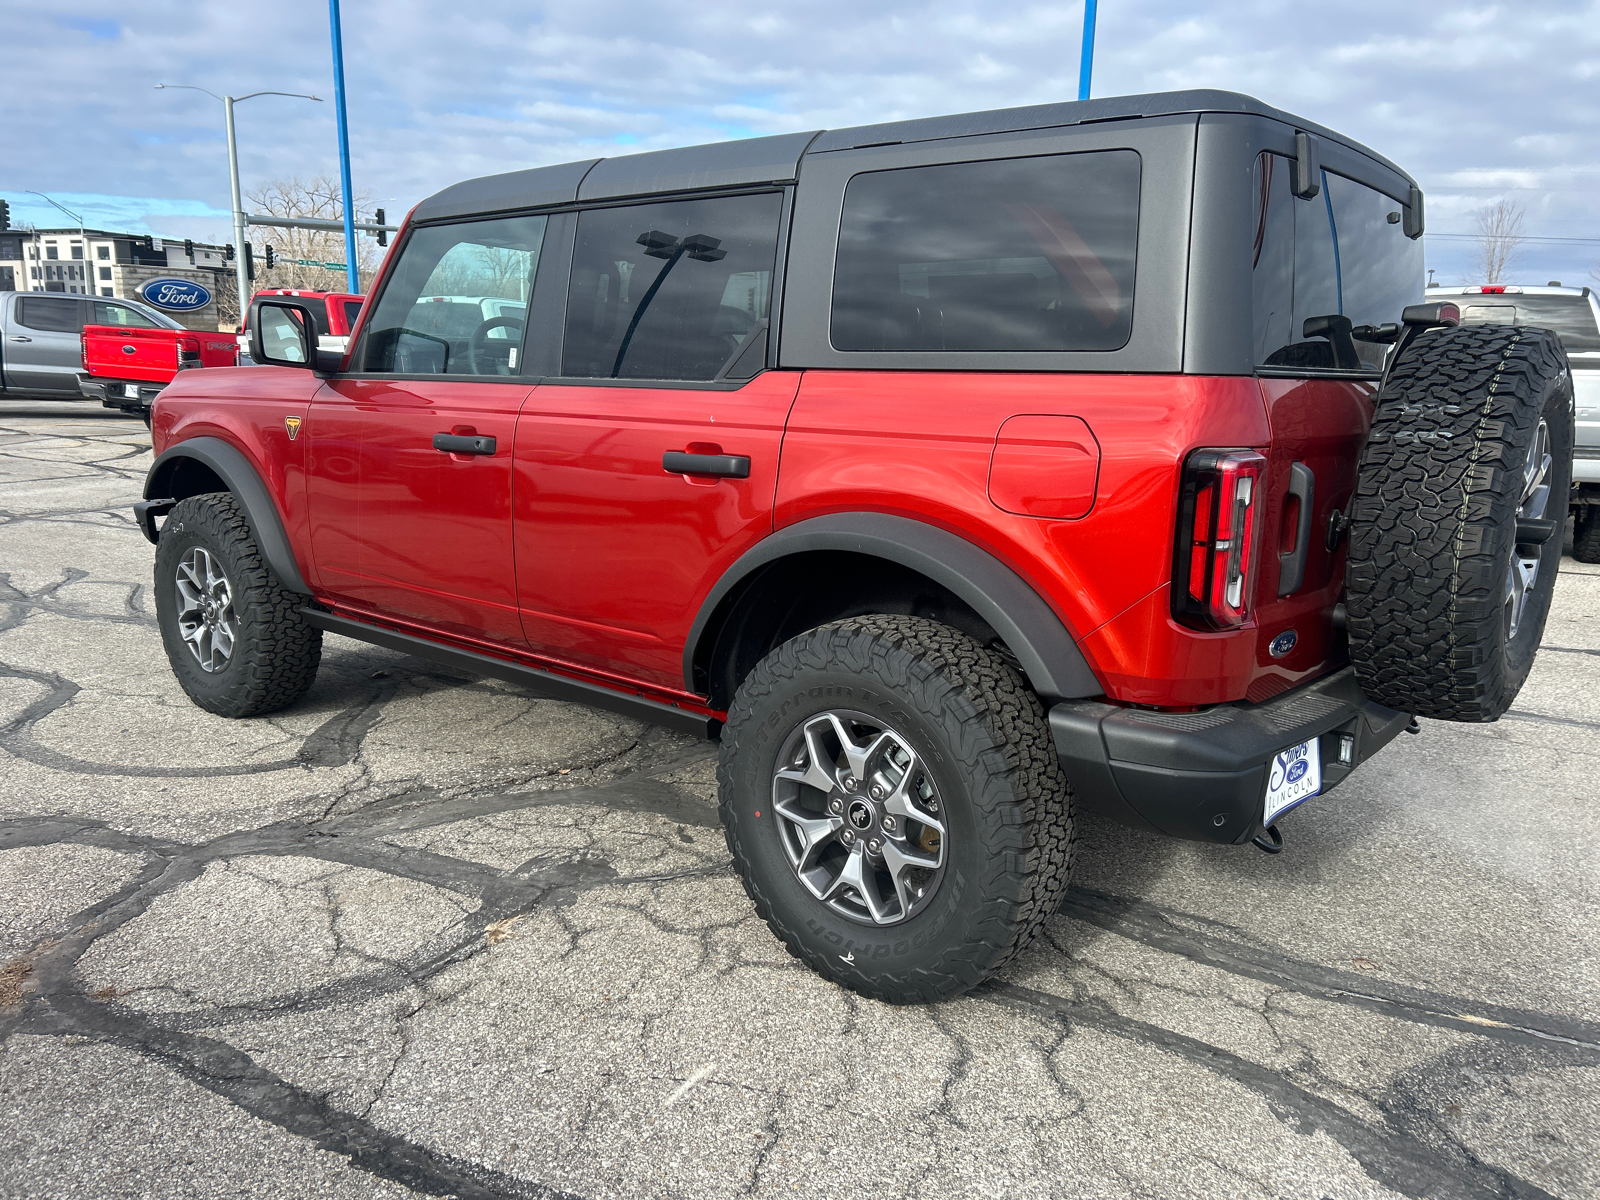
<point>1008,254</point>
<point>1342,253</point>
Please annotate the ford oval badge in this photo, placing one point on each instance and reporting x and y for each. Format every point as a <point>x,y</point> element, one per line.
<point>176,295</point>
<point>1283,643</point>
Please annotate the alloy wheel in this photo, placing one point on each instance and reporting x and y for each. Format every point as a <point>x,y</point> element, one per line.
<point>860,817</point>
<point>1523,572</point>
<point>206,618</point>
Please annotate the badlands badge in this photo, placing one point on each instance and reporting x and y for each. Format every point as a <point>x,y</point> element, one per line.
<point>292,424</point>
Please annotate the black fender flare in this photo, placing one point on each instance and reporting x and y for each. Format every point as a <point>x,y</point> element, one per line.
<point>1049,656</point>
<point>237,472</point>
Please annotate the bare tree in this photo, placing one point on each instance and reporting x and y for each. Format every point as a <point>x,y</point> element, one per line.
<point>1499,236</point>
<point>301,254</point>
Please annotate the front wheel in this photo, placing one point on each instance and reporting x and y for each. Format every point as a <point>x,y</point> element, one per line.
<point>893,803</point>
<point>233,634</point>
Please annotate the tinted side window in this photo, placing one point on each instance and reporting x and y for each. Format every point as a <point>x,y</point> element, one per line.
<point>1009,254</point>
<point>352,309</point>
<point>456,301</point>
<point>1272,267</point>
<point>677,290</point>
<point>49,315</point>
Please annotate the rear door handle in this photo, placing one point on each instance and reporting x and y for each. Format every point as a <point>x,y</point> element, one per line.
<point>454,443</point>
<point>725,466</point>
<point>17,337</point>
<point>1292,566</point>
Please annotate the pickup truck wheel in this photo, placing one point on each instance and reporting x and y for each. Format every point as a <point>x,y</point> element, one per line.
<point>1455,526</point>
<point>233,634</point>
<point>893,802</point>
<point>1586,534</point>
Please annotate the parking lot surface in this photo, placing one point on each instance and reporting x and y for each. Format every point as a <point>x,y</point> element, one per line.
<point>429,934</point>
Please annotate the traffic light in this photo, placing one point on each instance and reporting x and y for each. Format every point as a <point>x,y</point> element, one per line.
<point>271,257</point>
<point>5,215</point>
<point>383,234</point>
<point>188,248</point>
<point>249,262</point>
<point>227,252</point>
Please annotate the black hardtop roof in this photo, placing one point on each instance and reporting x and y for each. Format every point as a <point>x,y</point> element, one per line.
<point>751,161</point>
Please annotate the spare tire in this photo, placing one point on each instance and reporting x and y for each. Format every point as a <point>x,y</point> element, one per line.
<point>1454,527</point>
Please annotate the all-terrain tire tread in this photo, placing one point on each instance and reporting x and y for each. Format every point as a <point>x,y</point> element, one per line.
<point>995,727</point>
<point>1586,534</point>
<point>277,653</point>
<point>1432,518</point>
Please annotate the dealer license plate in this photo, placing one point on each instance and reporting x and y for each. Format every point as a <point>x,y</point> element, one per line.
<point>131,391</point>
<point>1295,776</point>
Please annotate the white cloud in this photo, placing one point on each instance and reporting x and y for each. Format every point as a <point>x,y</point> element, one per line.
<point>1476,102</point>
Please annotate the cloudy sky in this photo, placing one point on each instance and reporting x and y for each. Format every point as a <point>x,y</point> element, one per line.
<point>1480,102</point>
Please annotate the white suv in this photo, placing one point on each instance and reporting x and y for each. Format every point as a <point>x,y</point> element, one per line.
<point>1574,313</point>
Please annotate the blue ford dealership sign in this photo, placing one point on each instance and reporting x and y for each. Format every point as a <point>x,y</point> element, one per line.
<point>176,295</point>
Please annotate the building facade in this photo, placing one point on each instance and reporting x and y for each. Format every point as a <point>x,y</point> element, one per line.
<point>95,262</point>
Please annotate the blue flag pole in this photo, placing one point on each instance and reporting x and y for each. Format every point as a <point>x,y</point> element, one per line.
<point>352,273</point>
<point>1085,64</point>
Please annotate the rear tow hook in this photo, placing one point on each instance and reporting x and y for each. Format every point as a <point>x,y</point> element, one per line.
<point>1270,841</point>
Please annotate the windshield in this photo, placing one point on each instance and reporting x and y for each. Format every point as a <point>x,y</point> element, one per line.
<point>1573,317</point>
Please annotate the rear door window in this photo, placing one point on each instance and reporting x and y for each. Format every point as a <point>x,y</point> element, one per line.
<point>50,315</point>
<point>1023,254</point>
<point>678,290</point>
<point>456,301</point>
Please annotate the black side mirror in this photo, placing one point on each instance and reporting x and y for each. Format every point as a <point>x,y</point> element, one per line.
<point>283,333</point>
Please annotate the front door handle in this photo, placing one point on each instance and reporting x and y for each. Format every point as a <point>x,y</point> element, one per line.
<point>725,466</point>
<point>17,337</point>
<point>454,443</point>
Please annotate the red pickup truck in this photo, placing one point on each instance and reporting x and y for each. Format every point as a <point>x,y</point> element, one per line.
<point>333,313</point>
<point>126,366</point>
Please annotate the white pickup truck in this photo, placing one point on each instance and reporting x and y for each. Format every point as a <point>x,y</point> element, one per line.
<point>1574,313</point>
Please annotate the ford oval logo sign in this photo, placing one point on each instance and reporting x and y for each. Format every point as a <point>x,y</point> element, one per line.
<point>176,295</point>
<point>1283,643</point>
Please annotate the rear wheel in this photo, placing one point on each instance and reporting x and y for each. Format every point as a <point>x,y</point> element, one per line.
<point>1454,530</point>
<point>893,802</point>
<point>1586,534</point>
<point>233,634</point>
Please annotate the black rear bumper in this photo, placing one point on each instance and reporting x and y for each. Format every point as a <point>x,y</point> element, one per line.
<point>1203,775</point>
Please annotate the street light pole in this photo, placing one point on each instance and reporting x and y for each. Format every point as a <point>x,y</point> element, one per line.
<point>352,273</point>
<point>1086,63</point>
<point>241,280</point>
<point>83,238</point>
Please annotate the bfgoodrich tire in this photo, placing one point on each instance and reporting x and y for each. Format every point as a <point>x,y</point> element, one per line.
<point>1455,526</point>
<point>233,634</point>
<point>893,802</point>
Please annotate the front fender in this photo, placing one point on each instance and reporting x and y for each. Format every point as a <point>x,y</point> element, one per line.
<point>237,473</point>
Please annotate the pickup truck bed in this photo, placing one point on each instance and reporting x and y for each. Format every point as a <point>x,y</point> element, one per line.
<point>127,367</point>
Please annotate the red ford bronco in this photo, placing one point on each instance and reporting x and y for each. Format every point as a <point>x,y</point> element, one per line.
<point>953,472</point>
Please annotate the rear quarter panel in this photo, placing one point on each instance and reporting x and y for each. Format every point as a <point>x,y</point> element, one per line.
<point>919,445</point>
<point>247,407</point>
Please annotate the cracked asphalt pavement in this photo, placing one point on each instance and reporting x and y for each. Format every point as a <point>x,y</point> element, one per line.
<point>425,934</point>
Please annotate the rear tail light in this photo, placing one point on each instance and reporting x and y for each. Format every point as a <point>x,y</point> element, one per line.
<point>188,353</point>
<point>1213,572</point>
